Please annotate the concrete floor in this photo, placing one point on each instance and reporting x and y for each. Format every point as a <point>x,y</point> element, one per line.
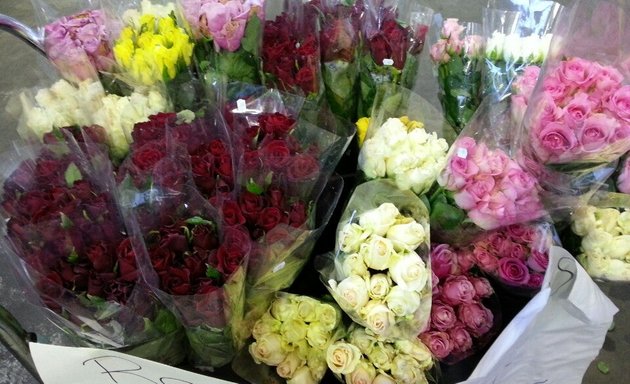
<point>21,67</point>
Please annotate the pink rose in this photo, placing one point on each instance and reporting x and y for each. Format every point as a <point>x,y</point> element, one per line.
<point>513,271</point>
<point>457,290</point>
<point>607,79</point>
<point>578,72</point>
<point>546,111</point>
<point>525,83</point>
<point>623,181</point>
<point>596,131</point>
<point>452,28</point>
<point>494,163</point>
<point>443,260</point>
<point>619,103</point>
<point>496,242</point>
<point>465,260</point>
<point>223,23</point>
<point>435,281</point>
<point>520,232</point>
<point>459,170</point>
<point>477,318</point>
<point>517,183</point>
<point>535,280</point>
<point>482,286</point>
<point>438,342</point>
<point>438,52</point>
<point>442,316</point>
<point>554,88</point>
<point>486,260</point>
<point>518,106</point>
<point>473,45</point>
<point>577,110</point>
<point>461,338</point>
<point>622,132</point>
<point>479,189</point>
<point>556,139</point>
<point>538,261</point>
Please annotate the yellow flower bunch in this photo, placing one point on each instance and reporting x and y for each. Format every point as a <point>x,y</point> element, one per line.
<point>155,51</point>
<point>411,124</point>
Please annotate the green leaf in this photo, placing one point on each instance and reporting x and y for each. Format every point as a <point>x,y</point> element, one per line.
<point>254,188</point>
<point>165,322</point>
<point>603,367</point>
<point>72,174</point>
<point>73,257</point>
<point>198,220</point>
<point>447,216</point>
<point>66,223</point>
<point>251,37</point>
<point>237,66</point>
<point>213,273</point>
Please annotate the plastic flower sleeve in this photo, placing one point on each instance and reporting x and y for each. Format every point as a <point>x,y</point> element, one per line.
<point>458,57</point>
<point>393,36</point>
<point>289,341</point>
<point>68,241</point>
<point>482,188</point>
<point>380,271</point>
<point>577,121</point>
<point>515,38</point>
<point>339,43</point>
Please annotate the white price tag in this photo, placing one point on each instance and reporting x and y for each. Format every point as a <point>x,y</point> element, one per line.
<point>70,365</point>
<point>279,267</point>
<point>241,105</point>
<point>388,62</point>
<point>462,152</point>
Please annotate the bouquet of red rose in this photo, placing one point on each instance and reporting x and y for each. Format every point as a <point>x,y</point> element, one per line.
<point>393,36</point>
<point>290,51</point>
<point>462,321</point>
<point>68,239</point>
<point>194,263</point>
<point>339,39</point>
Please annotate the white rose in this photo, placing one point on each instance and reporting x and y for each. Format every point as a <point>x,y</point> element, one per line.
<point>392,132</point>
<point>623,221</point>
<point>307,308</point>
<point>377,252</point>
<point>494,45</point>
<point>605,268</point>
<point>407,236</point>
<point>419,137</point>
<point>283,308</point>
<point>353,290</point>
<point>372,158</point>
<point>302,376</point>
<point>596,242</point>
<point>286,369</point>
<point>268,350</point>
<point>293,330</point>
<point>363,374</point>
<point>351,237</point>
<point>382,355</point>
<point>406,370</point>
<point>379,287</point>
<point>419,180</point>
<point>383,378</point>
<point>606,219</point>
<point>378,220</point>
<point>352,264</point>
<point>619,248</point>
<point>512,47</point>
<point>328,316</point>
<point>400,162</point>
<point>317,335</point>
<point>362,340</point>
<point>402,302</point>
<point>584,220</point>
<point>266,324</point>
<point>342,358</point>
<point>417,350</point>
<point>409,271</point>
<point>378,317</point>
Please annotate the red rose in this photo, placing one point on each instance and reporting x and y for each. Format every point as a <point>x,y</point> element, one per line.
<point>306,79</point>
<point>217,148</point>
<point>276,155</point>
<point>224,168</point>
<point>33,204</point>
<point>309,47</point>
<point>269,218</point>
<point>50,171</point>
<point>275,197</point>
<point>205,286</point>
<point>195,265</point>
<point>235,246</point>
<point>151,130</point>
<point>118,291</point>
<point>232,213</point>
<point>396,36</point>
<point>276,124</point>
<point>100,257</point>
<point>338,40</point>
<point>169,173</point>
<point>379,48</point>
<point>204,237</point>
<point>203,172</point>
<point>297,214</point>
<point>161,258</point>
<point>303,167</point>
<point>127,269</point>
<point>251,205</point>
<point>176,281</point>
<point>173,240</point>
<point>148,155</point>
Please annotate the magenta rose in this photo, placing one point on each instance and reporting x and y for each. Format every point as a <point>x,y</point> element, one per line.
<point>513,271</point>
<point>438,342</point>
<point>482,286</point>
<point>457,290</point>
<point>461,338</point>
<point>535,280</point>
<point>443,316</point>
<point>538,261</point>
<point>477,319</point>
<point>443,260</point>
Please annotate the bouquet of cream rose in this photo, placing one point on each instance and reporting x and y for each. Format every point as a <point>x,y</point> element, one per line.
<point>292,336</point>
<point>379,274</point>
<point>363,357</point>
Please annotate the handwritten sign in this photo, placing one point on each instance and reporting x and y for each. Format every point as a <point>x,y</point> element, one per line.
<point>69,365</point>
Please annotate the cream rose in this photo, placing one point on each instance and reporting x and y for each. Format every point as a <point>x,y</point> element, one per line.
<point>363,374</point>
<point>353,264</point>
<point>266,324</point>
<point>378,220</point>
<point>351,237</point>
<point>362,340</point>
<point>409,271</point>
<point>372,158</point>
<point>286,369</point>
<point>407,370</point>
<point>606,219</point>
<point>302,376</point>
<point>402,302</point>
<point>283,308</point>
<point>407,236</point>
<point>623,221</point>
<point>378,317</point>
<point>383,378</point>
<point>619,248</point>
<point>328,316</point>
<point>377,252</point>
<point>353,290</point>
<point>268,350</point>
<point>317,336</point>
<point>293,330</point>
<point>342,358</point>
<point>417,350</point>
<point>596,243</point>
<point>379,287</point>
<point>316,362</point>
<point>307,308</point>
<point>584,220</point>
<point>382,355</point>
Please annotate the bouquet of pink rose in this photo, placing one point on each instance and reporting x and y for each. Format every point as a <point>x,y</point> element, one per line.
<point>292,337</point>
<point>379,273</point>
<point>393,36</point>
<point>458,56</point>
<point>364,357</point>
<point>522,89</point>
<point>64,231</point>
<point>461,321</point>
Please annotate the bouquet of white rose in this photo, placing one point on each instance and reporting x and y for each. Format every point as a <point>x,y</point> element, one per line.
<point>380,272</point>
<point>366,358</point>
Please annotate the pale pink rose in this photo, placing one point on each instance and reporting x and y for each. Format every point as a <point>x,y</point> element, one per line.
<point>518,105</point>
<point>577,110</point>
<point>459,171</point>
<point>438,52</point>
<point>513,271</point>
<point>438,342</point>
<point>607,79</point>
<point>457,290</point>
<point>482,286</point>
<point>517,183</point>
<point>528,208</point>
<point>494,163</point>
<point>443,260</point>
<point>461,338</point>
<point>555,88</point>
<point>535,280</point>
<point>501,206</point>
<point>223,23</point>
<point>518,251</point>
<point>452,28</point>
<point>443,316</point>
<point>525,83</point>
<point>477,319</point>
<point>485,216</point>
<point>577,72</point>
<point>619,103</point>
<point>479,189</point>
<point>485,259</point>
<point>455,46</point>
<point>596,132</point>
<point>467,143</point>
<point>538,261</point>
<point>473,45</point>
<point>556,140</point>
<point>623,181</point>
